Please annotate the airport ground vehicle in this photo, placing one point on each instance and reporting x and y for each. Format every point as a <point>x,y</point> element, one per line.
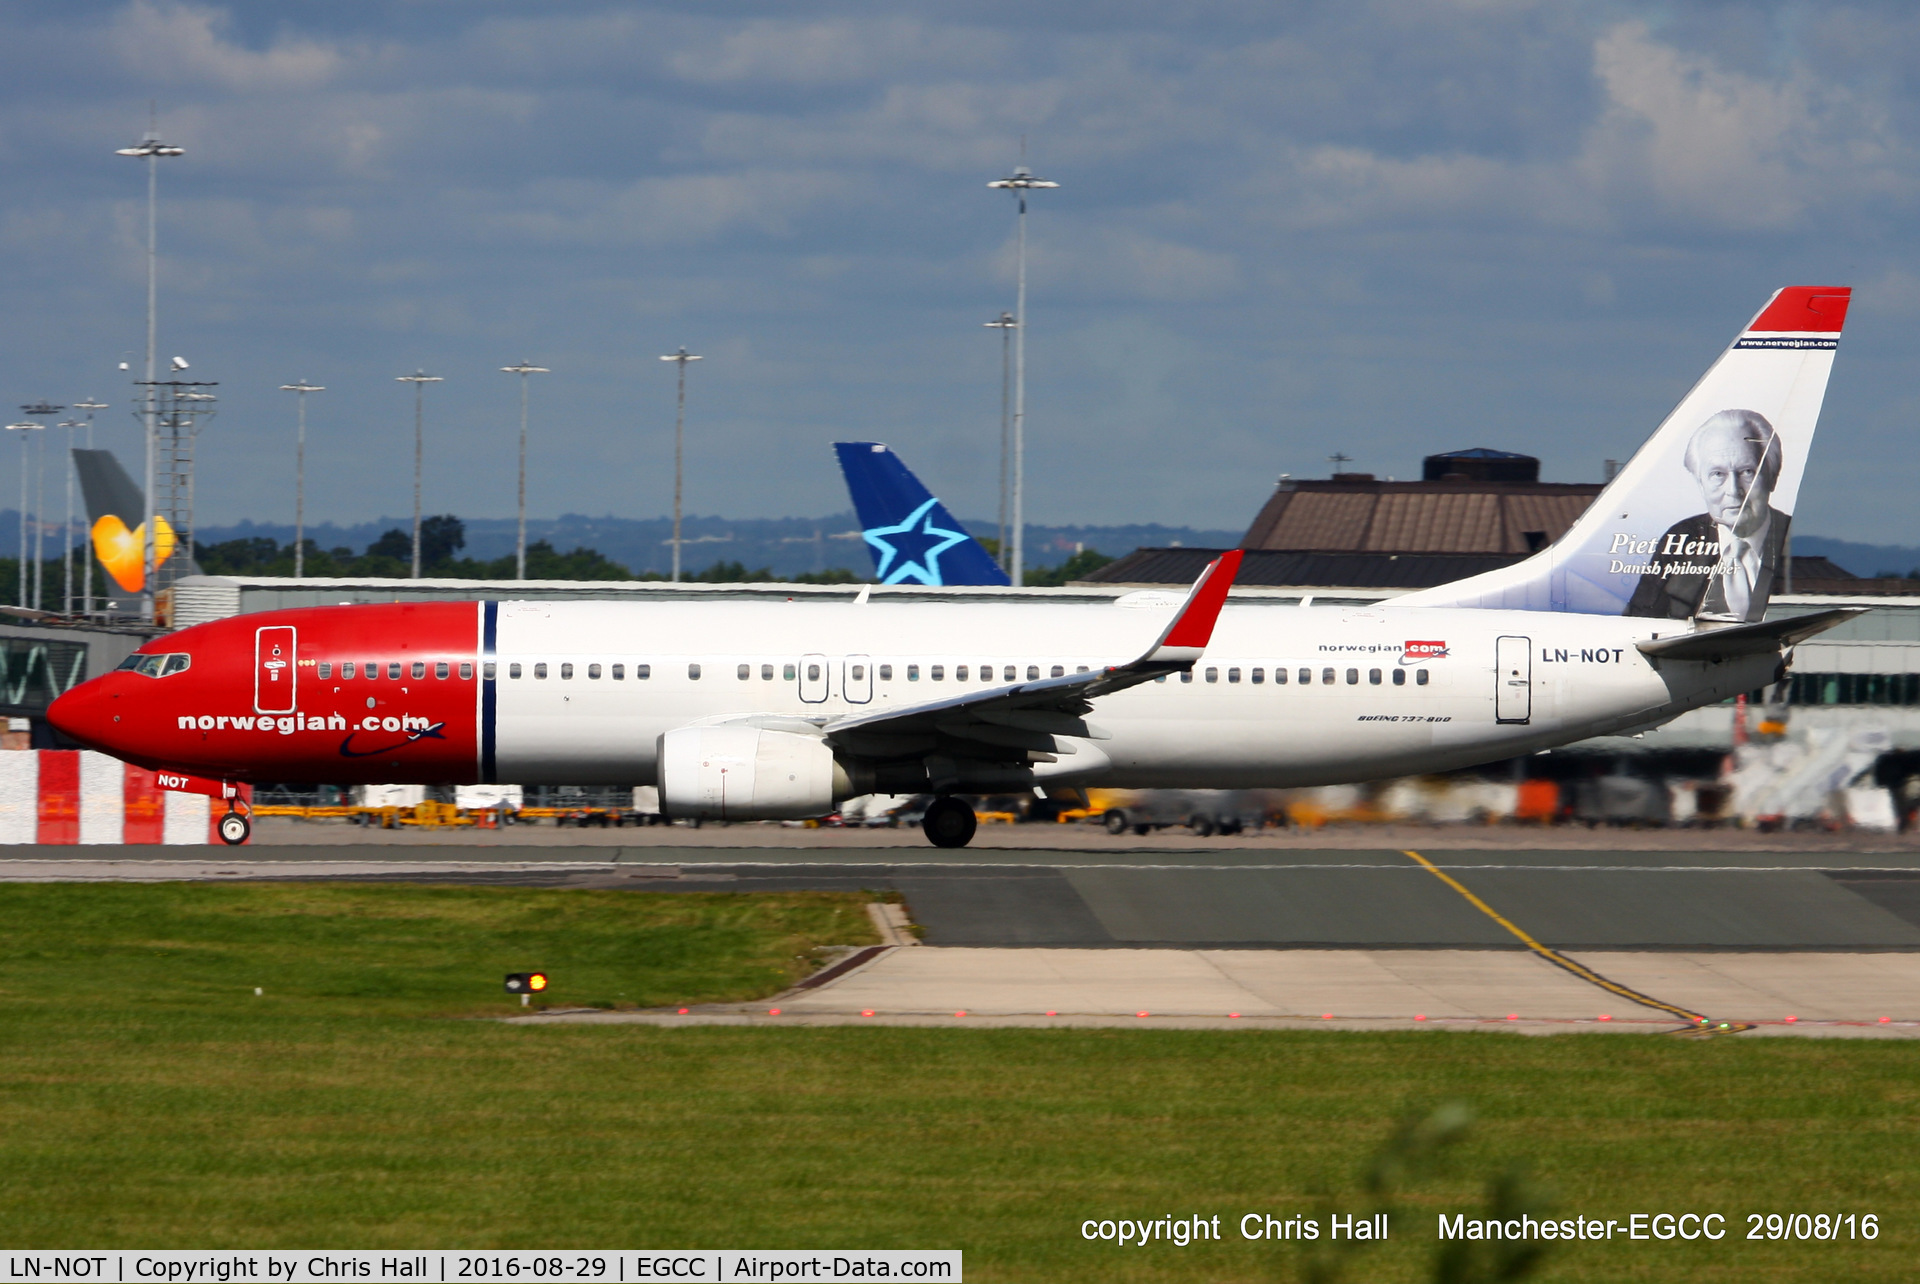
<point>1648,606</point>
<point>1204,811</point>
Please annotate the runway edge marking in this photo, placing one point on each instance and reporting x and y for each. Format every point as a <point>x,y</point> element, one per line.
<point>1694,1020</point>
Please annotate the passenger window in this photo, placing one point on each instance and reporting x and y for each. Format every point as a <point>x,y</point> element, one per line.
<point>346,669</point>
<point>859,673</point>
<point>744,672</point>
<point>466,670</point>
<point>1420,677</point>
<point>490,670</point>
<point>1306,676</point>
<point>618,672</point>
<point>813,673</point>
<point>886,673</point>
<point>566,672</point>
<point>1213,675</point>
<point>1353,677</point>
<point>440,669</point>
<point>326,669</point>
<point>1033,672</point>
<point>959,673</point>
<point>393,670</point>
<point>766,673</point>
<point>913,673</point>
<point>513,670</point>
<point>986,673</point>
<point>641,672</point>
<point>373,669</point>
<point>787,672</point>
<point>1006,674</point>
<point>1399,677</point>
<point>1059,671</point>
<point>1373,676</point>
<point>593,672</point>
<point>1081,669</point>
<point>1257,677</point>
<point>1233,675</point>
<point>419,668</point>
<point>937,672</point>
<point>1186,675</point>
<point>1326,677</point>
<point>693,672</point>
<point>1279,676</point>
<point>540,669</point>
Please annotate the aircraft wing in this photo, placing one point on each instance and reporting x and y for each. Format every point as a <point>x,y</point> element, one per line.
<point>1024,718</point>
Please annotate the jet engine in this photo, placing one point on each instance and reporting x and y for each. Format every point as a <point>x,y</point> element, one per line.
<point>747,773</point>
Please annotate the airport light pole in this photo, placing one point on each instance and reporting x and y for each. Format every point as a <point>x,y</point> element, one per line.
<point>1020,183</point>
<point>520,539</point>
<point>300,477</point>
<point>66,533</point>
<point>419,379</point>
<point>151,150</point>
<point>682,356</point>
<point>26,429</point>
<point>1006,325</point>
<point>86,579</point>
<point>40,410</point>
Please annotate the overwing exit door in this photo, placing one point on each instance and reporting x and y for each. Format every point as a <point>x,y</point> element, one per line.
<point>856,679</point>
<point>1513,680</point>
<point>813,678</point>
<point>273,668</point>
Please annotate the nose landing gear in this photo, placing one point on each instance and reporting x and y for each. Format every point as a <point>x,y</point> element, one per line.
<point>234,826</point>
<point>949,822</point>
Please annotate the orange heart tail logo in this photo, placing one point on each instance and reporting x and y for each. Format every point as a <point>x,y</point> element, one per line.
<point>120,549</point>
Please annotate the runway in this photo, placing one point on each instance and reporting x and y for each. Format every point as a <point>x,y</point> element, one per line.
<point>1531,939</point>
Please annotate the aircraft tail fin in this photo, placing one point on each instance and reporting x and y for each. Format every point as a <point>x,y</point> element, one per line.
<point>1695,526</point>
<point>912,536</point>
<point>115,523</point>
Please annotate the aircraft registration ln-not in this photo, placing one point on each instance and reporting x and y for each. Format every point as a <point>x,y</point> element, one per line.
<point>1651,604</point>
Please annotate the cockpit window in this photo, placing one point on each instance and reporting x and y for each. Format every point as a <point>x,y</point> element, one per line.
<point>157,666</point>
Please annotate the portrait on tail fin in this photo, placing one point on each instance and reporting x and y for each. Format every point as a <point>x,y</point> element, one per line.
<point>1722,563</point>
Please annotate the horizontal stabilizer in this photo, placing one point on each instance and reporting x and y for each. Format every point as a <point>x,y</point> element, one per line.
<point>1748,639</point>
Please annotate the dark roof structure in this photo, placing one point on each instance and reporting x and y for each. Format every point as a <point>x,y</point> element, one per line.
<point>1271,568</point>
<point>1352,515</point>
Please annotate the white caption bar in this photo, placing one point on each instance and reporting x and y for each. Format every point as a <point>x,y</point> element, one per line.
<point>281,1266</point>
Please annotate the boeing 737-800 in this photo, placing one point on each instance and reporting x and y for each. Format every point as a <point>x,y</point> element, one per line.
<point>1651,604</point>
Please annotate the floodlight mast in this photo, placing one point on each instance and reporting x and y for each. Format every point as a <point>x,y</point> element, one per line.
<point>26,429</point>
<point>300,478</point>
<point>1020,183</point>
<point>1006,325</point>
<point>682,356</point>
<point>419,379</point>
<point>520,538</point>
<point>150,149</point>
<point>66,532</point>
<point>40,410</point>
<point>86,589</point>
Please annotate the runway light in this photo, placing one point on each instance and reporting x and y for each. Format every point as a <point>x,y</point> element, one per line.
<point>1884,1020</point>
<point>1051,1012</point>
<point>962,1012</point>
<point>1513,1016</point>
<point>524,983</point>
<point>536,981</point>
<point>1792,1019</point>
<point>683,1011</point>
<point>1234,1015</point>
<point>1419,1016</point>
<point>1605,1017</point>
<point>773,1011</point>
<point>1139,1014</point>
<point>866,1012</point>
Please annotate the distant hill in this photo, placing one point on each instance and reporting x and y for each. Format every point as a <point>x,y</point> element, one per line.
<point>784,545</point>
<point>1861,559</point>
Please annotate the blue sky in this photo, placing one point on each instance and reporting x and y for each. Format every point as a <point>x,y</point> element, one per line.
<point>1282,232</point>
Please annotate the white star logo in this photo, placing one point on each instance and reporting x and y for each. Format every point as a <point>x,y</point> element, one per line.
<point>896,545</point>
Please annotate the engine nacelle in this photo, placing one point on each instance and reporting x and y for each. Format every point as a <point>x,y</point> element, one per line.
<point>747,773</point>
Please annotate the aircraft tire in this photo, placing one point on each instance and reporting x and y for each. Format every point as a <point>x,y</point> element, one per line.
<point>1202,826</point>
<point>1116,822</point>
<point>234,829</point>
<point>949,822</point>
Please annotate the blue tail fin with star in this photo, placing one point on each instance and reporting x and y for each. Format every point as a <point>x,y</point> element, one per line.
<point>912,536</point>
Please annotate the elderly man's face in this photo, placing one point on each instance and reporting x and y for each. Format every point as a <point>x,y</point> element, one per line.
<point>1728,467</point>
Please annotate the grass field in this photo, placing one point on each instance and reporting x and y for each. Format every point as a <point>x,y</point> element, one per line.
<point>148,1098</point>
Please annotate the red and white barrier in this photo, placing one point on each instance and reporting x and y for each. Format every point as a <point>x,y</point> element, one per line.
<point>78,796</point>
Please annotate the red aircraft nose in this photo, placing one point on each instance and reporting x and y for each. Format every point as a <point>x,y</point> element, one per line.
<point>88,714</point>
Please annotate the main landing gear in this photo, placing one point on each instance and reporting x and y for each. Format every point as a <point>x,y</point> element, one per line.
<point>949,822</point>
<point>234,827</point>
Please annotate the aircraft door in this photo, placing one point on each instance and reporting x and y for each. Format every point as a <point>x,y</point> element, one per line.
<point>273,667</point>
<point>1513,680</point>
<point>856,679</point>
<point>813,678</point>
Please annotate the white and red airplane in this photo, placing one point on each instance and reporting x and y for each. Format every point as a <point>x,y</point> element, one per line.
<point>1653,603</point>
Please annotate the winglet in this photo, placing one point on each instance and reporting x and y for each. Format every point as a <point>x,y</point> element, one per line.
<point>1192,628</point>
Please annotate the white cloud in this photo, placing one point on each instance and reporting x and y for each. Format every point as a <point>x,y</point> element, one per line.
<point>184,44</point>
